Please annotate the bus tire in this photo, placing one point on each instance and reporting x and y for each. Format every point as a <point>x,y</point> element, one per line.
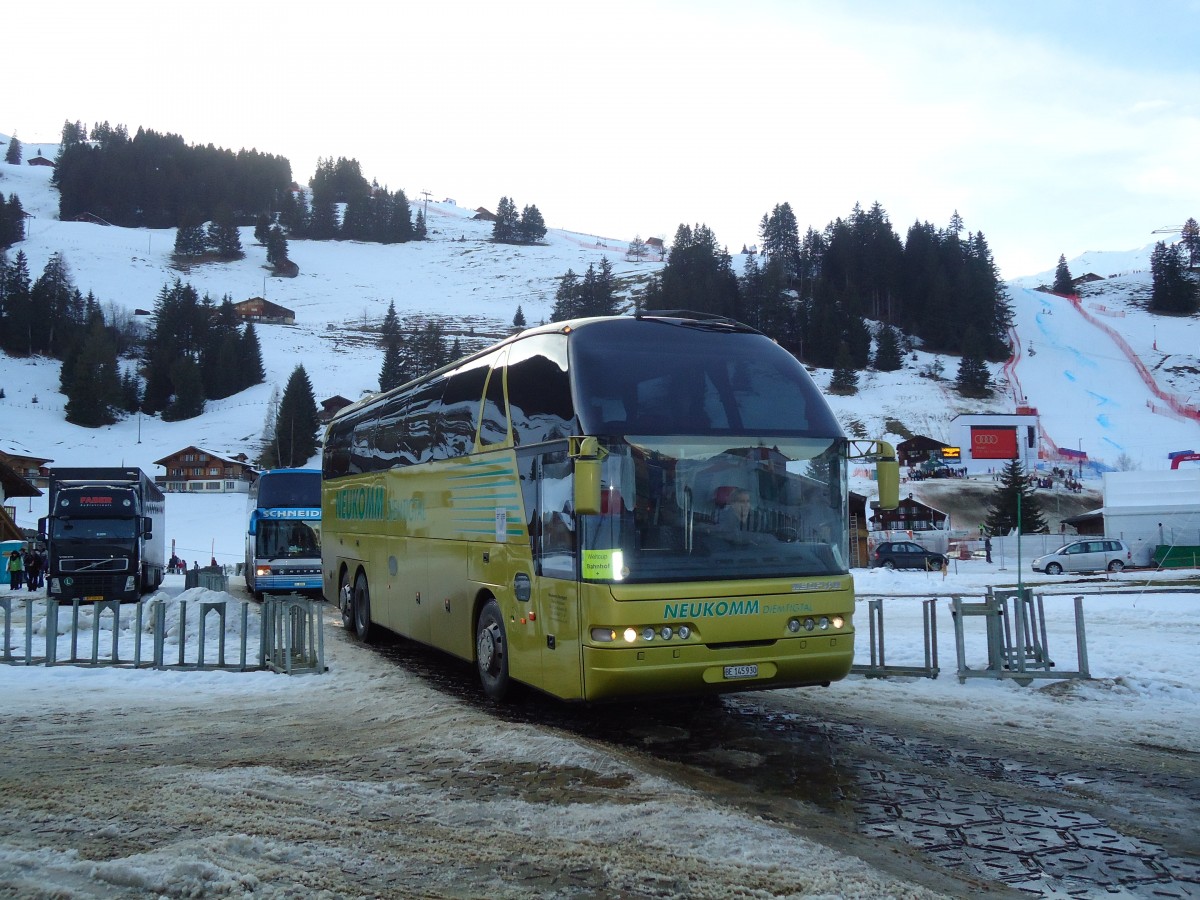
<point>491,652</point>
<point>345,599</point>
<point>362,610</point>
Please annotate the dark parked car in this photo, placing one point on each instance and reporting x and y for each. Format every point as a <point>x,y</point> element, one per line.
<point>907,555</point>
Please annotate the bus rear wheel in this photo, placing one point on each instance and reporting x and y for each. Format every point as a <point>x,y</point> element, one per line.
<point>491,652</point>
<point>345,599</point>
<point>362,610</point>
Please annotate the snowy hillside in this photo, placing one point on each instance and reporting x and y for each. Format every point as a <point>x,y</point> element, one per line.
<point>1105,390</point>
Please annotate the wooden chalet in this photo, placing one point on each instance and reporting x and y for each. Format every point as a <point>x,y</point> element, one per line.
<point>330,406</point>
<point>31,468</point>
<point>197,470</point>
<point>256,309</point>
<point>12,486</point>
<point>916,450</point>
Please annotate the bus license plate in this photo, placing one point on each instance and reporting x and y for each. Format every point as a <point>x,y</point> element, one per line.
<point>741,671</point>
<point>93,598</point>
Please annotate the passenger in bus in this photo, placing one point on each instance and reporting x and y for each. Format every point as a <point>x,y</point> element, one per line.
<point>734,513</point>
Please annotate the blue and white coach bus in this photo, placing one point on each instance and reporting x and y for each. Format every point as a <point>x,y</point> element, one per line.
<point>283,539</point>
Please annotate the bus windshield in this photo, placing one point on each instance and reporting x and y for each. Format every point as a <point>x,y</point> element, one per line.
<point>287,539</point>
<point>705,508</point>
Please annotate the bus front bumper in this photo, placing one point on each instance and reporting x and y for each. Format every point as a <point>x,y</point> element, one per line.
<point>686,669</point>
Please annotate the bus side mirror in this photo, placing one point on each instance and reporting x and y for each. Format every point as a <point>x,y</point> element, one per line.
<point>147,527</point>
<point>587,487</point>
<point>41,533</point>
<point>887,471</point>
<point>586,452</point>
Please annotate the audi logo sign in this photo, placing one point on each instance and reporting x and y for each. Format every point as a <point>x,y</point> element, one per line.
<point>994,443</point>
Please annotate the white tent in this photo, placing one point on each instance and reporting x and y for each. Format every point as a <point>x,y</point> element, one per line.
<point>1152,508</point>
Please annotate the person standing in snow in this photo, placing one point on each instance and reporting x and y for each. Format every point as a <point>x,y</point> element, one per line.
<point>15,570</point>
<point>32,561</point>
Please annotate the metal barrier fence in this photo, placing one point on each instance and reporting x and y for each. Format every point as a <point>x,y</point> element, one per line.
<point>1017,646</point>
<point>878,667</point>
<point>285,634</point>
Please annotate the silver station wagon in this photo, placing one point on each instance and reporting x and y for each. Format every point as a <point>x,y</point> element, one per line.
<point>1087,555</point>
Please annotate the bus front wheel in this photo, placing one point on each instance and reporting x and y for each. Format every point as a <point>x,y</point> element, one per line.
<point>362,610</point>
<point>491,652</point>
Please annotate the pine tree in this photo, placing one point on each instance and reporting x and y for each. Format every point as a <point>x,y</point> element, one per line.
<point>262,227</point>
<point>506,228</point>
<point>518,322</point>
<point>1172,291</point>
<point>12,155</point>
<point>188,400</point>
<point>16,336</point>
<point>1015,490</point>
<point>844,380</point>
<point>297,423</point>
<point>93,386</point>
<point>1062,277</point>
<point>392,373</point>
<point>389,331</point>
<point>250,362</point>
<point>1189,239</point>
<point>566,298</point>
<point>191,240</point>
<point>420,229</point>
<point>973,379</point>
<point>12,221</point>
<point>131,391</point>
<point>533,227</point>
<point>887,350</point>
<point>222,237</point>
<point>277,248</point>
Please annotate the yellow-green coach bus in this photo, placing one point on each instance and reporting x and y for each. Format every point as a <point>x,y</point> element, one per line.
<point>615,507</point>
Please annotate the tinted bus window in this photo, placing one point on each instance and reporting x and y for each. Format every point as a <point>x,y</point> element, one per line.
<point>289,489</point>
<point>387,445</point>
<point>460,408</point>
<point>671,379</point>
<point>539,390</point>
<point>493,425</point>
<point>421,420</point>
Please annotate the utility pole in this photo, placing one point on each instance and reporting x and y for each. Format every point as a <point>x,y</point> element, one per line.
<point>426,194</point>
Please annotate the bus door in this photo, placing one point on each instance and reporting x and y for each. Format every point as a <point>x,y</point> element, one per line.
<point>555,630</point>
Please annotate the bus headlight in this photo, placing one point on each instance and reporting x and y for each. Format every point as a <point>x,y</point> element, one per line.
<point>823,623</point>
<point>666,632</point>
<point>630,635</point>
<point>838,622</point>
<point>684,632</point>
<point>647,633</point>
<point>793,625</point>
<point>604,635</point>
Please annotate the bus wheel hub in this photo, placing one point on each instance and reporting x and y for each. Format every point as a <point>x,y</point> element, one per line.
<point>490,648</point>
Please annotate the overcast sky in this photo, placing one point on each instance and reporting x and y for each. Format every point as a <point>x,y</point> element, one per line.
<point>1052,127</point>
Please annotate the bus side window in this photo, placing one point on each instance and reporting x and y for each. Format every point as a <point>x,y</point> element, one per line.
<point>460,406</point>
<point>493,423</point>
<point>424,410</point>
<point>336,456</point>
<point>388,434</point>
<point>539,390</point>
